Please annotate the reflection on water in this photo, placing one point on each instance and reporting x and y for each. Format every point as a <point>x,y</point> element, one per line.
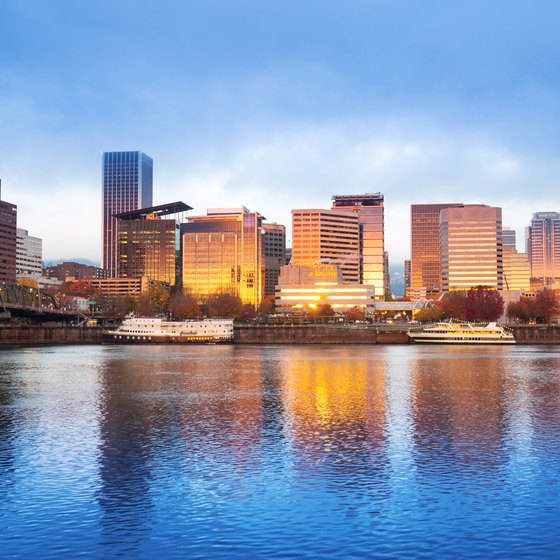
<point>264,452</point>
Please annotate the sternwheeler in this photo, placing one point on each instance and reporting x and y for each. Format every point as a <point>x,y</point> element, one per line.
<point>140,330</point>
<point>461,333</point>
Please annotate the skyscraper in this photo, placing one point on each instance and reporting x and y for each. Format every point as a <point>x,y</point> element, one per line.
<point>543,245</point>
<point>274,254</point>
<point>8,235</point>
<point>508,238</point>
<point>127,186</point>
<point>425,265</point>
<point>370,212</point>
<point>328,237</point>
<point>29,255</point>
<point>471,247</point>
<point>222,253</point>
<point>148,242</point>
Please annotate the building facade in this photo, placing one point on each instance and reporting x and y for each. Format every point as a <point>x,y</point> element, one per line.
<point>328,237</point>
<point>148,242</point>
<point>29,255</point>
<point>517,271</point>
<point>543,246</point>
<point>370,212</point>
<point>8,241</point>
<point>509,238</point>
<point>425,264</point>
<point>274,254</point>
<point>127,186</point>
<point>69,271</point>
<point>223,253</point>
<point>471,247</point>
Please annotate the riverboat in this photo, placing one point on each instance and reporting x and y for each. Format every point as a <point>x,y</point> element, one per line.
<point>141,330</point>
<point>462,333</point>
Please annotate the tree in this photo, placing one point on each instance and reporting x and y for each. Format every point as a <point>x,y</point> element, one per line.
<point>323,310</point>
<point>429,314</point>
<point>246,313</point>
<point>223,305</point>
<point>155,302</point>
<point>520,310</point>
<point>266,307</point>
<point>355,314</point>
<point>29,282</point>
<point>183,305</point>
<point>545,306</point>
<point>453,305</point>
<point>483,304</point>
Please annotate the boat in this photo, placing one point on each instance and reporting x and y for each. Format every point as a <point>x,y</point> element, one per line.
<point>462,333</point>
<point>143,330</point>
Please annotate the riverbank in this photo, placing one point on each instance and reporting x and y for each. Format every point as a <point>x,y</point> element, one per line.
<point>266,334</point>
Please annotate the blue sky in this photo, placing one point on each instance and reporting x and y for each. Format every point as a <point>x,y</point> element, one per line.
<point>278,105</point>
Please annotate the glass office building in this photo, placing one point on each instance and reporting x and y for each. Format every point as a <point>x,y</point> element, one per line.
<point>369,209</point>
<point>471,247</point>
<point>127,186</point>
<point>223,253</point>
<point>8,243</point>
<point>543,245</point>
<point>327,237</point>
<point>425,265</point>
<point>274,253</point>
<point>148,242</point>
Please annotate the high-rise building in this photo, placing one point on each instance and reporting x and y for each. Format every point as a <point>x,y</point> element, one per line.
<point>543,245</point>
<point>29,255</point>
<point>69,270</point>
<point>471,247</point>
<point>148,242</point>
<point>8,243</point>
<point>508,238</point>
<point>425,265</point>
<point>370,211</point>
<point>274,254</point>
<point>328,237</point>
<point>517,270</point>
<point>406,275</point>
<point>223,253</point>
<point>127,186</point>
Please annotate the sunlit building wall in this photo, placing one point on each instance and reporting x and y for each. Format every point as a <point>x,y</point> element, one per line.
<point>29,255</point>
<point>517,270</point>
<point>127,185</point>
<point>8,241</point>
<point>327,237</point>
<point>425,265</point>
<point>223,253</point>
<point>274,254</point>
<point>471,247</point>
<point>148,242</point>
<point>544,247</point>
<point>370,211</point>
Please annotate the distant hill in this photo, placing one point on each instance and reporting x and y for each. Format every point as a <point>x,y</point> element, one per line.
<point>80,260</point>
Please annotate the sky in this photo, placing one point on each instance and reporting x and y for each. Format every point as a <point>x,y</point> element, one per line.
<point>279,104</point>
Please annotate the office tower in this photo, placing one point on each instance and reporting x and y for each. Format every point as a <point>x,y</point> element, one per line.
<point>370,211</point>
<point>127,186</point>
<point>425,266</point>
<point>223,253</point>
<point>471,247</point>
<point>8,235</point>
<point>517,270</point>
<point>406,275</point>
<point>543,245</point>
<point>29,255</point>
<point>328,237</point>
<point>148,242</point>
<point>274,254</point>
<point>508,238</point>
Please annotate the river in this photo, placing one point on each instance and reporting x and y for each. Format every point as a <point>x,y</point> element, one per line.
<point>280,452</point>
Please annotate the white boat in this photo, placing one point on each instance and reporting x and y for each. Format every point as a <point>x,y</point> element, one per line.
<point>141,330</point>
<point>462,333</point>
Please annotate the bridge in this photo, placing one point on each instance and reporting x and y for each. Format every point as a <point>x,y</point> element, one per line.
<point>17,301</point>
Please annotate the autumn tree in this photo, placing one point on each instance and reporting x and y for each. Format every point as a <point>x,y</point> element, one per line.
<point>429,314</point>
<point>246,313</point>
<point>453,305</point>
<point>154,302</point>
<point>223,305</point>
<point>266,307</point>
<point>355,314</point>
<point>483,304</point>
<point>183,305</point>
<point>521,310</point>
<point>545,306</point>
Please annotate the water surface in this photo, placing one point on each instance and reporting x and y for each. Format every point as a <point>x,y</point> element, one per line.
<point>280,452</point>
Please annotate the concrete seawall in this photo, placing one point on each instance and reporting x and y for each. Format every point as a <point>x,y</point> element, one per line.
<point>265,334</point>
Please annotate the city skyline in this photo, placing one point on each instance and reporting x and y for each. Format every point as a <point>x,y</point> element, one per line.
<point>421,103</point>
